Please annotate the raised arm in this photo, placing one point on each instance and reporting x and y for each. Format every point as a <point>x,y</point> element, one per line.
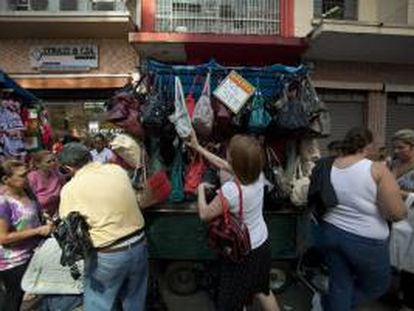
<point>211,157</point>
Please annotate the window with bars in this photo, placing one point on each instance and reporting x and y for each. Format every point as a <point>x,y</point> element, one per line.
<point>218,16</point>
<point>347,9</point>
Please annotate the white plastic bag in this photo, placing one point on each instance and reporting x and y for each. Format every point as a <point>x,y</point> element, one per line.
<point>300,186</point>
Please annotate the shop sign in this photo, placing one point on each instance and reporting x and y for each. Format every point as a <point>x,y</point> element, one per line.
<point>64,57</point>
<point>234,91</point>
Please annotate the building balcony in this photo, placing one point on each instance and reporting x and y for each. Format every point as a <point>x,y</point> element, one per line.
<point>377,31</point>
<point>67,18</point>
<point>194,31</point>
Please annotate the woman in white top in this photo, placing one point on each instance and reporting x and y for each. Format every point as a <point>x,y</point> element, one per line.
<point>355,232</point>
<point>240,282</point>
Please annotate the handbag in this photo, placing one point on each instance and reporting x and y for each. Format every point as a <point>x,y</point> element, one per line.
<point>154,189</point>
<point>259,117</point>
<point>277,192</point>
<point>300,186</point>
<point>156,110</point>
<point>180,117</point>
<point>194,174</point>
<point>227,233</point>
<point>203,117</point>
<point>190,102</point>
<point>176,178</point>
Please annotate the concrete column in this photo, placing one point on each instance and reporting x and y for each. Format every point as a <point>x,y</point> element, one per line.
<point>377,116</point>
<point>410,12</point>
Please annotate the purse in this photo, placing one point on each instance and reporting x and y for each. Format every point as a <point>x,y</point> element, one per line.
<point>259,117</point>
<point>153,189</point>
<point>194,175</point>
<point>277,192</point>
<point>176,178</point>
<point>180,117</point>
<point>300,186</point>
<point>227,233</point>
<point>203,117</point>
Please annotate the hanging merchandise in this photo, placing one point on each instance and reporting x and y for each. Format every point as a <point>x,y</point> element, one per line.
<point>190,102</point>
<point>291,116</point>
<point>194,174</point>
<point>277,192</point>
<point>259,117</point>
<point>203,117</point>
<point>157,108</point>
<point>124,111</point>
<point>176,178</point>
<point>180,118</point>
<point>300,186</point>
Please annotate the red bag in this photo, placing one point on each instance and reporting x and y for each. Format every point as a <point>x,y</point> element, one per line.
<point>194,175</point>
<point>227,233</point>
<point>189,100</point>
<point>160,186</point>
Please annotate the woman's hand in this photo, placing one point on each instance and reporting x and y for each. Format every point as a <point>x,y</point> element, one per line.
<point>193,141</point>
<point>45,230</point>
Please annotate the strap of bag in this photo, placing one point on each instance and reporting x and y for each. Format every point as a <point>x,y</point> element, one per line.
<point>195,80</point>
<point>272,157</point>
<point>225,203</point>
<point>206,88</point>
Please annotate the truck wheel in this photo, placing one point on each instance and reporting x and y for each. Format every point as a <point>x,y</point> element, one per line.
<point>181,278</point>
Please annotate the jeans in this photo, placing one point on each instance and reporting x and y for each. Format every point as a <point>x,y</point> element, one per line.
<point>117,276</point>
<point>14,294</point>
<point>61,302</point>
<point>359,268</point>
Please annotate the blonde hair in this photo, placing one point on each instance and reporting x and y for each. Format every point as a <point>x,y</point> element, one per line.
<point>405,136</point>
<point>246,157</point>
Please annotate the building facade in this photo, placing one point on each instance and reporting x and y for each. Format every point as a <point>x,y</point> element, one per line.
<point>363,55</point>
<point>70,53</point>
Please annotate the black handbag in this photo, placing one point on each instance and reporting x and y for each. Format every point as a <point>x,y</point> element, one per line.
<point>157,108</point>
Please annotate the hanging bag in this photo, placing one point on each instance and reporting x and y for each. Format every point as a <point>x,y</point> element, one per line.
<point>300,186</point>
<point>190,102</point>
<point>176,178</point>
<point>227,233</point>
<point>259,117</point>
<point>291,116</point>
<point>180,118</point>
<point>203,117</point>
<point>277,192</point>
<point>194,175</point>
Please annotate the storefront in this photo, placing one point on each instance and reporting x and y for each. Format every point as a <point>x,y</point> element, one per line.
<point>73,78</point>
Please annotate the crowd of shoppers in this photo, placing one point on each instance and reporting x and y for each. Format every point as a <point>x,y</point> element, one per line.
<point>354,233</point>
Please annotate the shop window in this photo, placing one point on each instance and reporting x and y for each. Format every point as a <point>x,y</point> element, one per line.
<point>103,5</point>
<point>186,7</point>
<point>336,9</point>
<point>68,5</point>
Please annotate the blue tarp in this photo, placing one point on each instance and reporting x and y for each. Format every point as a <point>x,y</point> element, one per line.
<point>270,79</point>
<point>8,83</point>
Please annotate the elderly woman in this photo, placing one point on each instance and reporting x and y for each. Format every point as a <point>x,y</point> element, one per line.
<point>402,245</point>
<point>20,229</point>
<point>354,233</point>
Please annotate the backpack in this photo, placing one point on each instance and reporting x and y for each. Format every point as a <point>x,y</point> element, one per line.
<point>227,233</point>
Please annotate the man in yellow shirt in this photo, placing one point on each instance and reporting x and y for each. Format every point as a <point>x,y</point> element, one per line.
<point>102,193</point>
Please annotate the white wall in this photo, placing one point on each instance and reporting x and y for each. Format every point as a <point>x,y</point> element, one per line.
<point>303,17</point>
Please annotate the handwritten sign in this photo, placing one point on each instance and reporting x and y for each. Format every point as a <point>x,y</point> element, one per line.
<point>234,91</point>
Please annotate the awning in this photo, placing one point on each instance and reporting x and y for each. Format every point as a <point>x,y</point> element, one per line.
<point>8,83</point>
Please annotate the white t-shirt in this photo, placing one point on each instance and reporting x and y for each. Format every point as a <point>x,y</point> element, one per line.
<point>103,156</point>
<point>252,207</point>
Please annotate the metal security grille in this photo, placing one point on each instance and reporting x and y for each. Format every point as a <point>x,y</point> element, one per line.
<point>347,8</point>
<point>257,17</point>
